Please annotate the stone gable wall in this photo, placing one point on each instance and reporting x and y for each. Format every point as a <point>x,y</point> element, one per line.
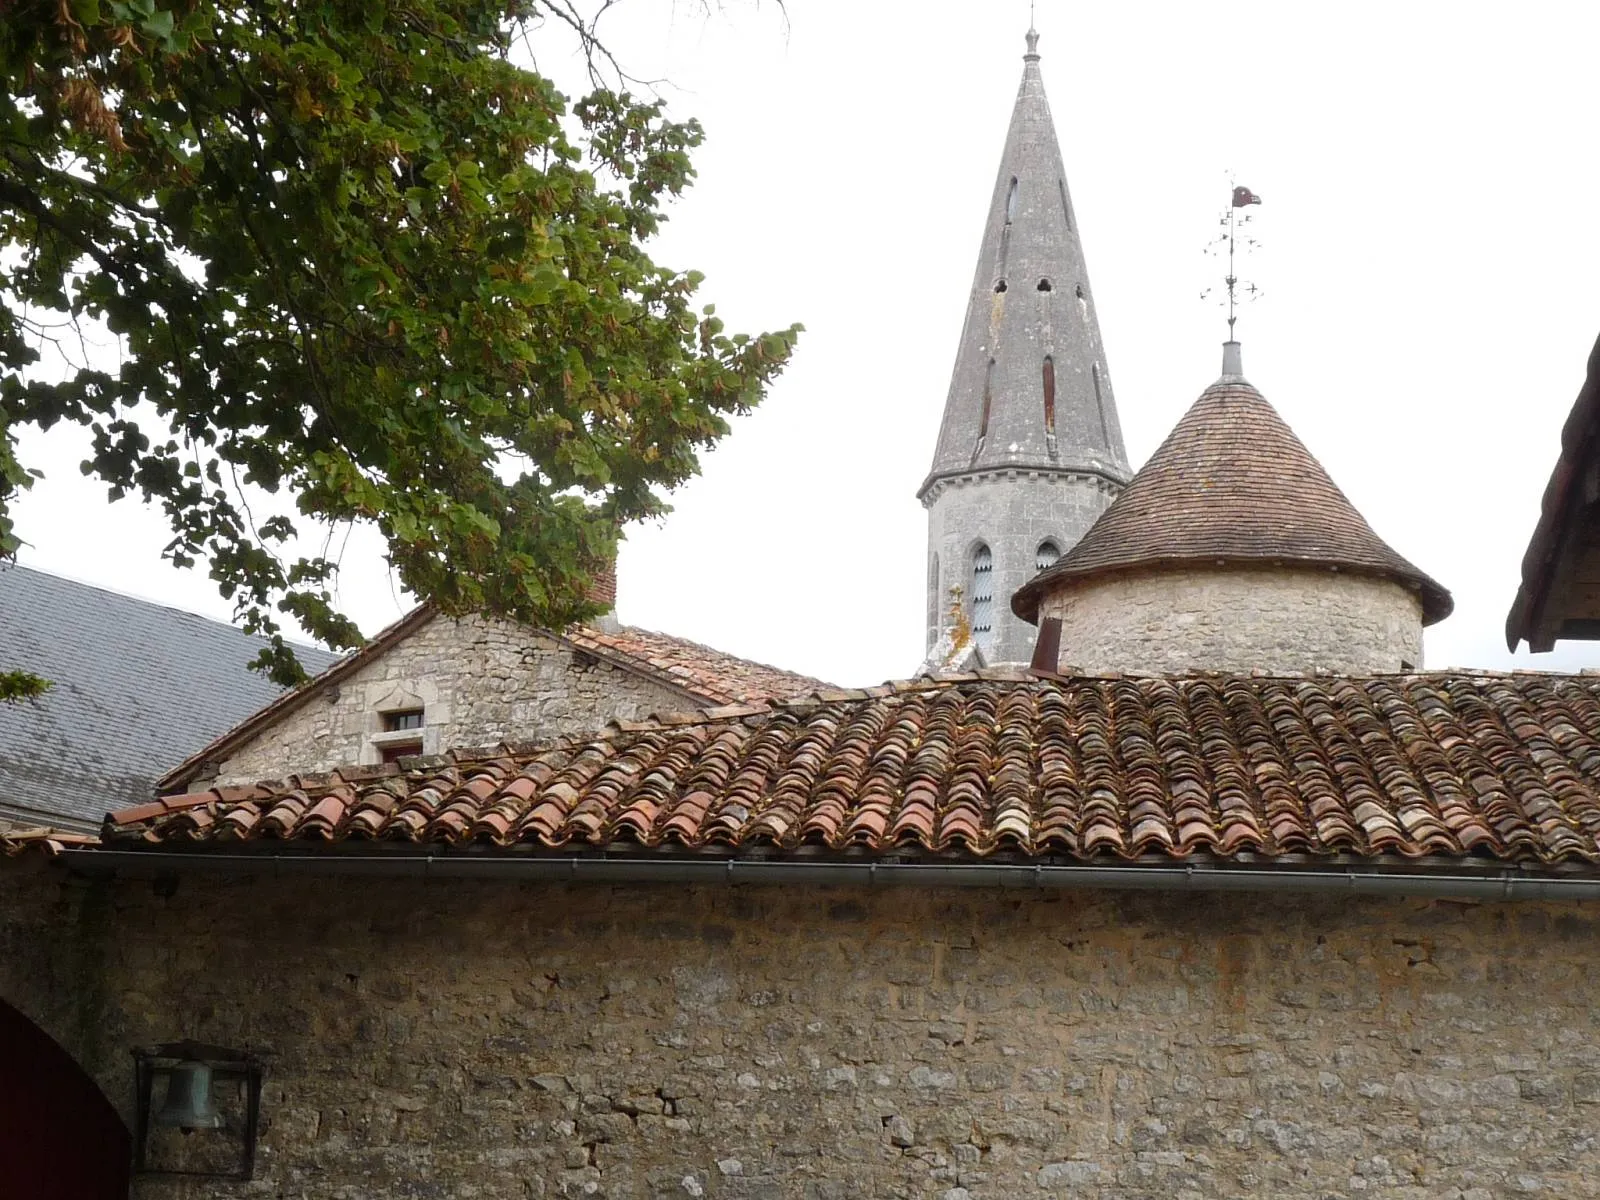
<point>1280,620</point>
<point>500,1040</point>
<point>479,681</point>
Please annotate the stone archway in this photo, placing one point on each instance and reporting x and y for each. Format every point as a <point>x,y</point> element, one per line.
<point>60,1138</point>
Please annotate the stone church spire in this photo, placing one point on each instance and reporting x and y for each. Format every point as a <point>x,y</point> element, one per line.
<point>1030,449</point>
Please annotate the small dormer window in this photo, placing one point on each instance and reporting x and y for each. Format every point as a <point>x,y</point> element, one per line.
<point>398,732</point>
<point>405,718</point>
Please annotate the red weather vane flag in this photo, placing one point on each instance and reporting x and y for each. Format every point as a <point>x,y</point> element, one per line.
<point>1238,236</point>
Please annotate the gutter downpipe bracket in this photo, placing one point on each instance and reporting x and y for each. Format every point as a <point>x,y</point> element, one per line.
<point>1188,877</point>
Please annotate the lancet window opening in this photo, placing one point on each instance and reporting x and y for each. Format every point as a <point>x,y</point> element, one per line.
<point>1011,201</point>
<point>1100,406</point>
<point>933,600</point>
<point>1049,395</point>
<point>1066,209</point>
<point>1047,555</point>
<point>988,396</point>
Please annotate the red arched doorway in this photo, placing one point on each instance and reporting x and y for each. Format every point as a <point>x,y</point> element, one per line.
<point>60,1139</point>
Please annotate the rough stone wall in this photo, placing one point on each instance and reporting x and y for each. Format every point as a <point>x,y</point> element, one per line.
<point>1279,620</point>
<point>478,681</point>
<point>1012,512</point>
<point>503,1041</point>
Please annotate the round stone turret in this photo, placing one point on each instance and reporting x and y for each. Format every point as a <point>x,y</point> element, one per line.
<point>1233,550</point>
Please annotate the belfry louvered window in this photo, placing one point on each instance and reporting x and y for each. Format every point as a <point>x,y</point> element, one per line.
<point>982,596</point>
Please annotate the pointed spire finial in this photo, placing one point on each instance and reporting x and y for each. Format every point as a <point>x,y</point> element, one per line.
<point>1033,40</point>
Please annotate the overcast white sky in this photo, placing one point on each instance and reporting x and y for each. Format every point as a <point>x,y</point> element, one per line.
<point>1431,226</point>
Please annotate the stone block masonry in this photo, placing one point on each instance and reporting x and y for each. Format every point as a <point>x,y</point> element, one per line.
<point>502,1041</point>
<point>1281,620</point>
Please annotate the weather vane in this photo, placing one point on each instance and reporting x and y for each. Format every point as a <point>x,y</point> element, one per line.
<point>1237,237</point>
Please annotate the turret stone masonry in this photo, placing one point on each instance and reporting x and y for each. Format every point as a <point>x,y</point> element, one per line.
<point>1030,451</point>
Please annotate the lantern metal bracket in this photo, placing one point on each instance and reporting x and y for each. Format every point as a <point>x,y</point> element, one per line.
<point>226,1065</point>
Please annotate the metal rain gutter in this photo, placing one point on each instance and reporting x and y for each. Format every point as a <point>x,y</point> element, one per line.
<point>1500,885</point>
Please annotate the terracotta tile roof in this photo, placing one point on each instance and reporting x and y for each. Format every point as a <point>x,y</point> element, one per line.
<point>708,674</point>
<point>48,842</point>
<point>702,674</point>
<point>1498,767</point>
<point>1232,482</point>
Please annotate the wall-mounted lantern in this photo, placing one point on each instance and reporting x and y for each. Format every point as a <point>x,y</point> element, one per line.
<point>197,1110</point>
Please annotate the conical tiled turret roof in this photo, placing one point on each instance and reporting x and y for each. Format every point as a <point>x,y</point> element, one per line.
<point>1232,483</point>
<point>1030,301</point>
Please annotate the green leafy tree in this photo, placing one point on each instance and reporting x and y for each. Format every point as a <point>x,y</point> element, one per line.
<point>355,255</point>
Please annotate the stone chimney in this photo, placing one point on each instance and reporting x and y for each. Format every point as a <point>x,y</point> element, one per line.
<point>603,591</point>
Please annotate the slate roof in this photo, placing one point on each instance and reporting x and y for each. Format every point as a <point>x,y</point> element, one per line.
<point>702,675</point>
<point>137,687</point>
<point>1232,483</point>
<point>1503,768</point>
